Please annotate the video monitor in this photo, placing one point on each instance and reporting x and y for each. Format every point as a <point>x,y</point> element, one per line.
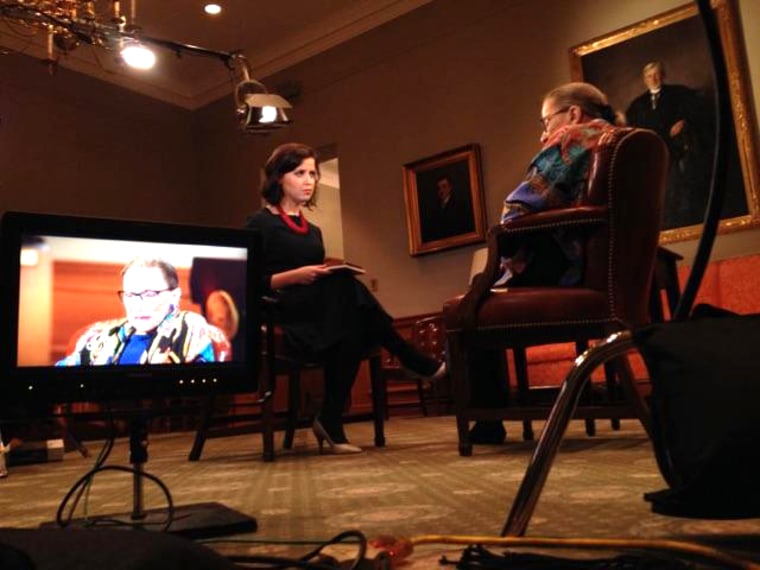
<point>102,309</point>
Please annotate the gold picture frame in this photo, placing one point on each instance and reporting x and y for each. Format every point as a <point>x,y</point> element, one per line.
<point>445,206</point>
<point>614,63</point>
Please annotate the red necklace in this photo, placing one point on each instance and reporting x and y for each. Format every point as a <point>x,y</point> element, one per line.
<point>300,228</point>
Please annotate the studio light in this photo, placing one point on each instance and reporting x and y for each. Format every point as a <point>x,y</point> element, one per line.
<point>259,111</point>
<point>100,24</point>
<point>138,56</point>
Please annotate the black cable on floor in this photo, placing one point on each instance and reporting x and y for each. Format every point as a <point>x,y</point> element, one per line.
<point>312,560</point>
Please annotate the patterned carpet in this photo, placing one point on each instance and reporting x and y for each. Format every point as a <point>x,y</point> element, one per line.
<point>417,485</point>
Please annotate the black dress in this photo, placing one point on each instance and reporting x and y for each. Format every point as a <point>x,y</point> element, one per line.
<point>335,319</point>
<point>320,315</point>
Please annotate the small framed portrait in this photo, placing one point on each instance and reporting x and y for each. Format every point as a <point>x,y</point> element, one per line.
<point>445,207</point>
<point>658,72</point>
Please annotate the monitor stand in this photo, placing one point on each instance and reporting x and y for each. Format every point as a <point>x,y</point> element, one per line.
<point>195,521</point>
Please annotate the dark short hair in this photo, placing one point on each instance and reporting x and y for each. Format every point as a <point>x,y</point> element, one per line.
<point>285,158</point>
<point>167,269</point>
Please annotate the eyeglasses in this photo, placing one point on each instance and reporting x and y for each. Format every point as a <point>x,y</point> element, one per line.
<point>148,294</point>
<point>545,120</point>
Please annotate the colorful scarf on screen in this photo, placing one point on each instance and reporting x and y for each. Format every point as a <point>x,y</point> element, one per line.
<point>183,336</point>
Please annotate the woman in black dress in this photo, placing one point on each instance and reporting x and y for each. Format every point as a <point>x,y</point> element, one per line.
<point>325,314</point>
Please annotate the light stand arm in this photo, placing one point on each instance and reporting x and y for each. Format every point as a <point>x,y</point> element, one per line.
<point>229,58</point>
<point>257,110</point>
<point>251,96</point>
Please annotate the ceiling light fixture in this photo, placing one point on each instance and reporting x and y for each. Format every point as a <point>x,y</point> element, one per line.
<point>67,24</point>
<point>212,9</point>
<point>138,56</point>
<point>258,110</point>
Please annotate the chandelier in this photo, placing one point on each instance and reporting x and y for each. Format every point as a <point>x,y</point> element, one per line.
<point>110,25</point>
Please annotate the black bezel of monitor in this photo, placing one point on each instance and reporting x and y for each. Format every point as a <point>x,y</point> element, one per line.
<point>63,384</point>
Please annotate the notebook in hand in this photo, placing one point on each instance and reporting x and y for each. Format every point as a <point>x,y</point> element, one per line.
<point>345,266</point>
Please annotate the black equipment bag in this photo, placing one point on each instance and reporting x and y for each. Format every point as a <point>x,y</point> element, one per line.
<point>705,405</point>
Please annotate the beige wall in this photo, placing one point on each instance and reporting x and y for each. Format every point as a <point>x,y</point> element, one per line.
<point>327,215</point>
<point>448,74</point>
<point>75,145</point>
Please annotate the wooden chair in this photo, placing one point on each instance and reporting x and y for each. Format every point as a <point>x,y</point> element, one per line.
<point>618,220</point>
<point>280,363</point>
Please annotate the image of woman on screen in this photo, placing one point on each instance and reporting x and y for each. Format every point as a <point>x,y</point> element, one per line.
<point>154,330</point>
<point>326,315</point>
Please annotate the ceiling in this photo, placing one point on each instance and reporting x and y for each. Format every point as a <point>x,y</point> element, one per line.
<point>272,36</point>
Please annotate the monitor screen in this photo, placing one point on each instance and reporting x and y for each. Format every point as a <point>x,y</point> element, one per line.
<point>110,309</point>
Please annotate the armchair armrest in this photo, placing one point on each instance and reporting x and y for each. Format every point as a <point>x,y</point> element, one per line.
<point>549,219</point>
<point>498,240</point>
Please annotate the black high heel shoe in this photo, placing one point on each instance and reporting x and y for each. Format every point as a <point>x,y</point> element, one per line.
<point>443,369</point>
<point>337,448</point>
<point>434,376</point>
<point>418,363</point>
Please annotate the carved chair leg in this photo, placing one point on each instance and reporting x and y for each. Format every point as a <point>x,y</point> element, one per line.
<point>421,395</point>
<point>580,347</point>
<point>379,398</point>
<point>613,391</point>
<point>463,433</point>
<point>294,406</point>
<point>460,387</point>
<point>523,388</point>
<point>269,385</point>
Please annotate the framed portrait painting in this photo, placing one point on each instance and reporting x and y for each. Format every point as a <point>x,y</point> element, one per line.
<point>444,201</point>
<point>658,73</point>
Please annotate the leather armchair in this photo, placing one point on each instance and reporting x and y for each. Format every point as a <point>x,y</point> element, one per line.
<point>618,220</point>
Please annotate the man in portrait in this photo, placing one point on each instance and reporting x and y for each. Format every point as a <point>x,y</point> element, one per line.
<point>448,214</point>
<point>678,114</point>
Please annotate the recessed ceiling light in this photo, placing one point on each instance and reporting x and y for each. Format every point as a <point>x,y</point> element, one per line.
<point>212,9</point>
